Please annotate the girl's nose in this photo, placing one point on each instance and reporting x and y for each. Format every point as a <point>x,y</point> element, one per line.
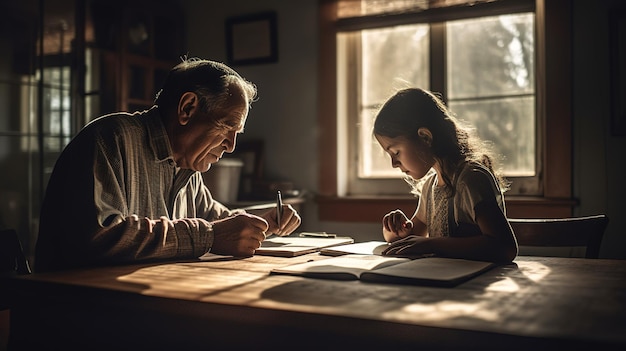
<point>395,163</point>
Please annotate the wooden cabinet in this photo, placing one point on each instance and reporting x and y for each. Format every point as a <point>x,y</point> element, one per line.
<point>136,44</point>
<point>141,79</point>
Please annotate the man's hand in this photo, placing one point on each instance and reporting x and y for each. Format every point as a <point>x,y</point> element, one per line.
<point>290,220</point>
<point>239,235</point>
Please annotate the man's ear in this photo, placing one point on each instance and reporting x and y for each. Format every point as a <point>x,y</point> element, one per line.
<point>187,105</point>
<point>425,135</point>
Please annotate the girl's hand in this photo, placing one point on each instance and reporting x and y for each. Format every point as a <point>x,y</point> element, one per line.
<point>411,246</point>
<point>396,225</point>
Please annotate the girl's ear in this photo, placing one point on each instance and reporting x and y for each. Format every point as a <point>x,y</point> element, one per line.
<point>425,135</point>
<point>187,105</point>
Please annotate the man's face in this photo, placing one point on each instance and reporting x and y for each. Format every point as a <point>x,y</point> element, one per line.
<point>200,143</point>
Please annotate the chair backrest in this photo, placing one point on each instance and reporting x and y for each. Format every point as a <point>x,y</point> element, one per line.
<point>12,262</point>
<point>12,259</point>
<point>562,232</point>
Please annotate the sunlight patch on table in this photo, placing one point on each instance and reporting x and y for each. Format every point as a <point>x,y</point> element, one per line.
<point>504,285</point>
<point>446,310</point>
<point>534,271</point>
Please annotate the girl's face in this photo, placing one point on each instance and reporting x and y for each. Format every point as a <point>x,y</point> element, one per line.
<point>413,157</point>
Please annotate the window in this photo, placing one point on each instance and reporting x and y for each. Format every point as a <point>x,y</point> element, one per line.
<point>56,105</point>
<point>486,76</point>
<point>542,94</point>
<point>55,109</point>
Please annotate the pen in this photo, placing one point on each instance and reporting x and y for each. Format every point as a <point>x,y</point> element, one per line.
<point>279,208</point>
<point>317,235</point>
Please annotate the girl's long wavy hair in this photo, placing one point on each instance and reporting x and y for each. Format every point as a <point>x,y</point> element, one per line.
<point>453,143</point>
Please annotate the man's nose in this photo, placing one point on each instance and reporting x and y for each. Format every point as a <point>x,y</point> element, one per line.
<point>230,142</point>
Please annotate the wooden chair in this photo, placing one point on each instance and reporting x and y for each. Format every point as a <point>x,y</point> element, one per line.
<point>12,258</point>
<point>584,232</point>
<point>12,262</point>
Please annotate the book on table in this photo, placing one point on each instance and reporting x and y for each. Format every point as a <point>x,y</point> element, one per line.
<point>291,246</point>
<point>434,271</point>
<point>362,248</point>
<point>374,247</point>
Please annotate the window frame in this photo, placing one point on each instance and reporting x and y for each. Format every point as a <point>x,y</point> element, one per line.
<point>553,100</point>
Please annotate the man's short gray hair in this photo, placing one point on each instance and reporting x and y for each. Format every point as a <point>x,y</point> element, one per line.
<point>210,80</point>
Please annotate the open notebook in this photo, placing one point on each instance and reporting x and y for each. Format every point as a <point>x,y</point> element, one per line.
<point>363,248</point>
<point>373,248</point>
<point>435,271</point>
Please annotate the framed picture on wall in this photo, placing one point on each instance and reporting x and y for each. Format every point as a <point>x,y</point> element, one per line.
<point>252,39</point>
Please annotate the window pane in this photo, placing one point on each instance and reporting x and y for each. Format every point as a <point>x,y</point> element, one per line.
<point>490,56</point>
<point>509,125</point>
<point>56,107</point>
<point>391,58</point>
<point>490,82</point>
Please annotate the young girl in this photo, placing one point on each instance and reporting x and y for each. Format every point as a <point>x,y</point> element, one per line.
<point>461,211</point>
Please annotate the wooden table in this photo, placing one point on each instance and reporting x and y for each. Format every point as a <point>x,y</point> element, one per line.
<point>234,303</point>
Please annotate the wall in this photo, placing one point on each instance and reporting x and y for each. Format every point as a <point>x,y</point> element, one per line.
<point>599,165</point>
<point>285,115</point>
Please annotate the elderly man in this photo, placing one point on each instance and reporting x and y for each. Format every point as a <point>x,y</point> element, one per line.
<point>128,187</point>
